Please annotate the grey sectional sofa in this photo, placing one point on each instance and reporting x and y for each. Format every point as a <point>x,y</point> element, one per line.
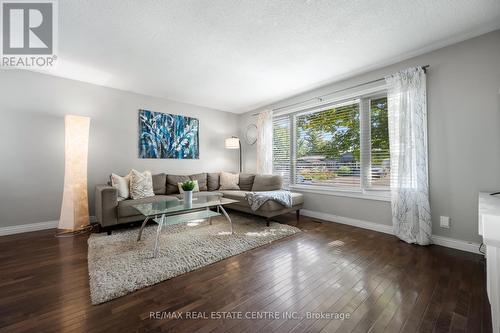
<point>110,212</point>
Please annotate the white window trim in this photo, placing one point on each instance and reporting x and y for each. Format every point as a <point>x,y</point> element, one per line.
<point>378,195</point>
<point>379,88</point>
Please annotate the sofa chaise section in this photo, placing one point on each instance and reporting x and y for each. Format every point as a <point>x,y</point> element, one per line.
<point>268,210</point>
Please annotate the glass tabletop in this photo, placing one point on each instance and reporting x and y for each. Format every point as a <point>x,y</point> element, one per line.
<point>178,205</point>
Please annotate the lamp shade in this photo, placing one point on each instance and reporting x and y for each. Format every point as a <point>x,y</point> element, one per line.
<point>75,210</point>
<point>232,143</point>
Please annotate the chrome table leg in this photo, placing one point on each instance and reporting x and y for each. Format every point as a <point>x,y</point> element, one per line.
<point>227,216</point>
<point>158,232</point>
<point>209,218</point>
<point>142,228</point>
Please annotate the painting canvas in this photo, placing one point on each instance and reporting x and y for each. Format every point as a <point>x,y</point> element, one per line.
<point>165,135</point>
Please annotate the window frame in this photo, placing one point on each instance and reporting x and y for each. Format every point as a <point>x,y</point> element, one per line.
<point>365,191</point>
<point>368,137</point>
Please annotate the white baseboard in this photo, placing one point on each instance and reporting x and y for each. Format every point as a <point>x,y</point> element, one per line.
<point>18,229</point>
<point>456,244</point>
<point>387,229</point>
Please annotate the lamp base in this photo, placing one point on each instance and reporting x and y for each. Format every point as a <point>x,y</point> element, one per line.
<point>72,233</point>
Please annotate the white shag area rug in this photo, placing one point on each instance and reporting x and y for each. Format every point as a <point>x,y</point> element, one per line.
<point>119,265</point>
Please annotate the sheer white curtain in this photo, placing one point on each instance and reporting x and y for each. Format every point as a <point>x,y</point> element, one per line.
<point>411,215</point>
<point>265,142</point>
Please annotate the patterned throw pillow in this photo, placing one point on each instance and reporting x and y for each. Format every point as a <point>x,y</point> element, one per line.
<point>229,181</point>
<point>141,184</point>
<point>122,185</point>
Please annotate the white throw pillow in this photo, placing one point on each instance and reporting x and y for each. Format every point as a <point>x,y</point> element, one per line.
<point>229,181</point>
<point>122,184</point>
<point>195,189</point>
<point>141,184</point>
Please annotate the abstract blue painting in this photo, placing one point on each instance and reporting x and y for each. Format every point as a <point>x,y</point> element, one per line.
<point>165,135</point>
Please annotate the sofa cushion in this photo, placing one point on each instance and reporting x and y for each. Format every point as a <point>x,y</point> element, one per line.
<point>160,184</point>
<point>270,205</point>
<point>213,181</point>
<point>202,180</point>
<point>267,183</point>
<point>172,181</point>
<point>234,194</point>
<point>246,181</point>
<point>125,208</point>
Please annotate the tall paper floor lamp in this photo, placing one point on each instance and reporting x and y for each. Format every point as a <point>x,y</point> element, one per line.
<point>75,207</point>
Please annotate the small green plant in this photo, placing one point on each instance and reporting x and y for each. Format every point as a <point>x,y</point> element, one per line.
<point>188,185</point>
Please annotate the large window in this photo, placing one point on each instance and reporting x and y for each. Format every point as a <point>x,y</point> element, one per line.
<point>343,146</point>
<point>328,146</point>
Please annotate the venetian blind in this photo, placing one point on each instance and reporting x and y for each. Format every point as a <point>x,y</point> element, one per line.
<point>281,149</point>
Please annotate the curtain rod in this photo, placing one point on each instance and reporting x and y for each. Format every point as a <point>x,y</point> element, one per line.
<point>320,98</point>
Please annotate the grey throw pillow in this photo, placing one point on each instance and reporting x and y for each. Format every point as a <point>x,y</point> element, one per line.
<point>173,180</point>
<point>213,181</point>
<point>246,181</point>
<point>202,180</point>
<point>160,183</point>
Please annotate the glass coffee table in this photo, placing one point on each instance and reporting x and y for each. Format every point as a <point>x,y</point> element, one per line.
<point>176,211</point>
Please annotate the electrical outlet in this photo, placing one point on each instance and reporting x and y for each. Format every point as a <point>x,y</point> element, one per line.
<point>444,222</point>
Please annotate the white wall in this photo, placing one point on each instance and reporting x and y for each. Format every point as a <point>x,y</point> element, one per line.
<point>464,136</point>
<point>32,107</point>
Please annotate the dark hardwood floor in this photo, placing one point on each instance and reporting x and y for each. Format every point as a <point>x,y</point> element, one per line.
<point>383,284</point>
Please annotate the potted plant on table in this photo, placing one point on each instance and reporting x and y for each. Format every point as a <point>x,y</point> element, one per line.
<point>188,187</point>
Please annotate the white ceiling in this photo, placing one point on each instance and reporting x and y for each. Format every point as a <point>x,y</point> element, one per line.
<point>239,55</point>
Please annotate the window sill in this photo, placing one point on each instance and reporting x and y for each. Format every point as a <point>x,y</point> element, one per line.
<point>378,195</point>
